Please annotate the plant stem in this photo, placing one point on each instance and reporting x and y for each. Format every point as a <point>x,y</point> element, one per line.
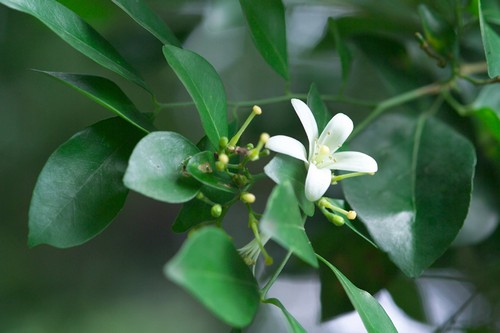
<point>383,106</point>
<point>273,278</point>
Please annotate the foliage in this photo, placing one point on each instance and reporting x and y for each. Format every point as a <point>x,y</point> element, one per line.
<point>426,132</point>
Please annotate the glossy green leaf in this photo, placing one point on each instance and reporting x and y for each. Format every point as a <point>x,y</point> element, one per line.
<point>211,269</point>
<point>202,167</point>
<point>107,94</point>
<point>318,108</point>
<point>371,312</point>
<point>285,168</point>
<point>283,222</point>
<point>438,32</point>
<point>295,326</point>
<point>77,33</point>
<point>205,87</point>
<point>350,224</point>
<point>489,13</point>
<point>416,203</point>
<point>342,49</point>
<point>80,188</point>
<point>157,168</point>
<point>191,214</point>
<point>266,21</point>
<point>149,20</point>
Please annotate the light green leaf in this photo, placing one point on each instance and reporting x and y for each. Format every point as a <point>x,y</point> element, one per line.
<point>266,20</point>
<point>77,33</point>
<point>107,94</point>
<point>157,168</point>
<point>205,87</point>
<point>489,12</point>
<point>285,168</point>
<point>318,108</point>
<point>371,312</point>
<point>294,324</point>
<point>416,203</point>
<point>202,167</point>
<point>283,222</point>
<point>142,14</point>
<point>80,188</point>
<point>211,269</point>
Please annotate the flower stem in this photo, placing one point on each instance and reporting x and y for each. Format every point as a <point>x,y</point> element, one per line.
<point>273,278</point>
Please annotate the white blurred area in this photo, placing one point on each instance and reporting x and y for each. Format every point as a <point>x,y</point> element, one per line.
<point>442,297</point>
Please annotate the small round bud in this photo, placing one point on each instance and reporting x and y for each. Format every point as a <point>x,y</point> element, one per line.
<point>337,220</point>
<point>253,155</point>
<point>323,202</point>
<point>216,210</point>
<point>265,152</point>
<point>223,141</point>
<point>264,137</point>
<point>220,166</point>
<point>257,110</point>
<point>250,146</point>
<point>247,197</point>
<point>200,196</point>
<point>324,150</point>
<point>351,215</point>
<point>224,158</point>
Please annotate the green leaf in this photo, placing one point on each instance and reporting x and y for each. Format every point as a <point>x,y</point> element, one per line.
<point>77,33</point>
<point>283,222</point>
<point>156,168</point>
<point>107,94</point>
<point>285,168</point>
<point>80,188</point>
<point>342,49</point>
<point>202,167</point>
<point>489,11</point>
<point>416,203</point>
<point>205,87</point>
<point>371,312</point>
<point>318,108</point>
<point>211,269</point>
<point>294,324</point>
<point>191,214</point>
<point>266,21</point>
<point>142,14</point>
<point>438,32</point>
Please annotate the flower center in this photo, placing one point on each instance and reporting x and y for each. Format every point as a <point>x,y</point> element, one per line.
<point>321,153</point>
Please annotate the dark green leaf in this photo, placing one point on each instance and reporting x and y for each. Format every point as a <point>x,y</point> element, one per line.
<point>266,20</point>
<point>282,221</point>
<point>371,312</point>
<point>437,31</point>
<point>142,14</point>
<point>294,324</point>
<point>205,87</point>
<point>202,167</point>
<point>80,188</point>
<point>77,33</point>
<point>157,168</point>
<point>191,214</point>
<point>405,293</point>
<point>211,269</point>
<point>285,168</point>
<point>489,12</point>
<point>318,108</point>
<point>416,203</point>
<point>107,94</point>
<point>342,49</point>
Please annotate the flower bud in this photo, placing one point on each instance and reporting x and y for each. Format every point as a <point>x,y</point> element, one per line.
<point>223,141</point>
<point>224,158</point>
<point>220,166</point>
<point>216,210</point>
<point>337,220</point>
<point>257,110</point>
<point>247,197</point>
<point>351,215</point>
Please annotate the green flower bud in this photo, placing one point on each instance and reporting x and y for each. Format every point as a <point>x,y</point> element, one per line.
<point>216,210</point>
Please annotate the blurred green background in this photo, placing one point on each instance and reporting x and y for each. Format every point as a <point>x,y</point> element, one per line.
<point>114,283</point>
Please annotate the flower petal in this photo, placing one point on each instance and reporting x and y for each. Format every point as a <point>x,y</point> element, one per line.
<point>336,132</point>
<point>353,161</point>
<point>308,122</point>
<point>317,182</point>
<point>286,145</point>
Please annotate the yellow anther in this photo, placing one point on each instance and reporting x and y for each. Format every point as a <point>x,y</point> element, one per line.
<point>351,215</point>
<point>257,110</point>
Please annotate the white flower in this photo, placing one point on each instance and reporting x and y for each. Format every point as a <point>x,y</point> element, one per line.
<point>322,156</point>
